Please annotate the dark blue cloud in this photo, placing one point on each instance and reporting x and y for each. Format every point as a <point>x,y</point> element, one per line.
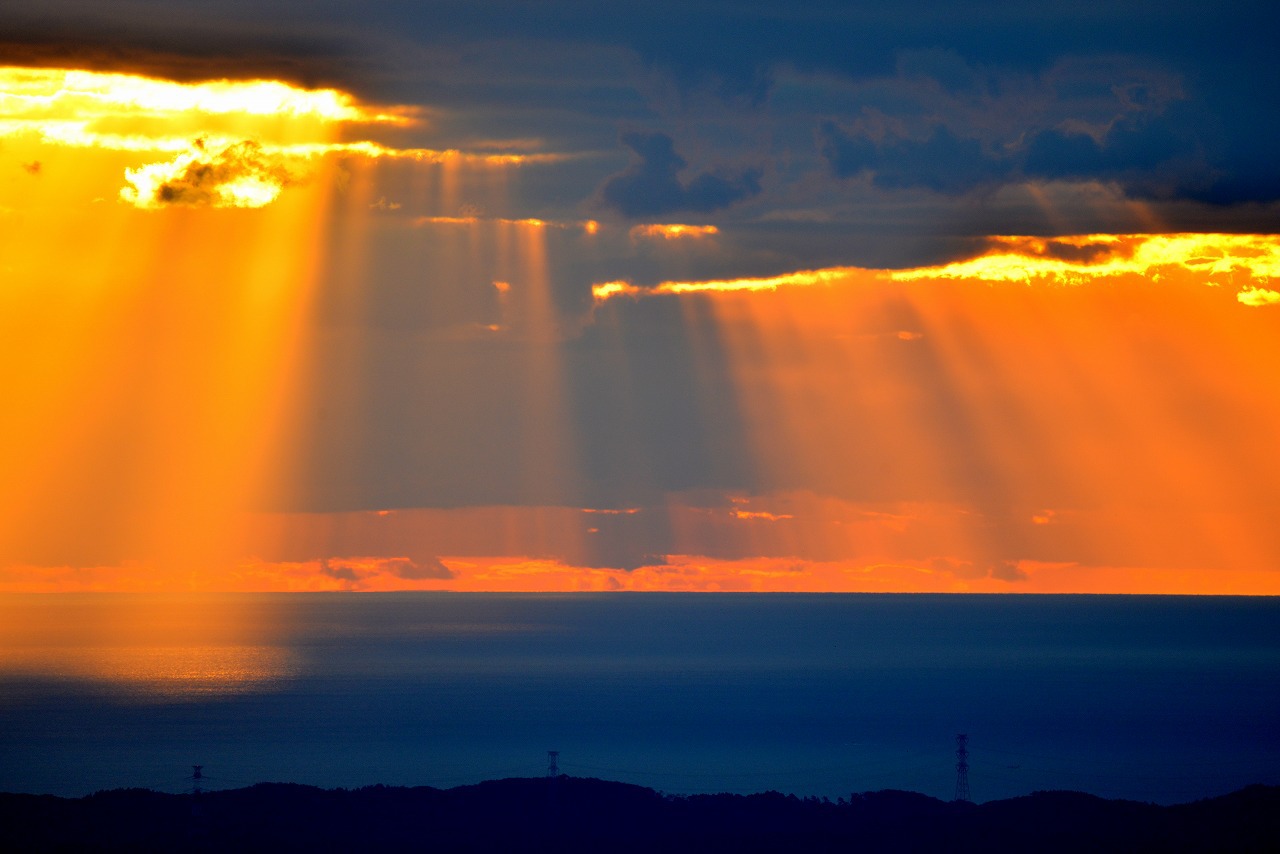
<point>564,71</point>
<point>1153,152</point>
<point>651,185</point>
<point>942,162</point>
<point>1183,152</point>
<point>1154,157</point>
<point>1134,99</point>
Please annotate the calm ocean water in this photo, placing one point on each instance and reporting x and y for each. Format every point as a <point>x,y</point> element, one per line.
<point>1164,699</point>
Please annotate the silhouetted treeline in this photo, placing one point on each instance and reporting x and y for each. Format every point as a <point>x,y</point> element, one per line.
<point>581,815</point>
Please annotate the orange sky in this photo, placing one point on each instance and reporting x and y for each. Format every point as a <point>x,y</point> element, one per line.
<point>1079,414</point>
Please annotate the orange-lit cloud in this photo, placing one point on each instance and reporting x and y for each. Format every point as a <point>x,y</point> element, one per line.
<point>1085,258</point>
<point>762,515</point>
<point>587,226</point>
<point>673,231</point>
<point>1226,260</point>
<point>900,429</point>
<point>802,279</point>
<point>525,573</point>
<point>1113,379</point>
<point>472,219</point>
<point>789,541</point>
<point>695,573</point>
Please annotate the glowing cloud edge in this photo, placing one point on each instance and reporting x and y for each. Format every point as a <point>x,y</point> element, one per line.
<point>1034,260</point>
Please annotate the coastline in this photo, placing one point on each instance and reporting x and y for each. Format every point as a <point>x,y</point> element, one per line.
<point>587,814</point>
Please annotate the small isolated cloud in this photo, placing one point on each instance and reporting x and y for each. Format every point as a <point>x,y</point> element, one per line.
<point>32,168</point>
<point>1258,297</point>
<point>1008,570</point>
<point>417,570</point>
<point>759,515</point>
<point>651,184</point>
<point>338,570</point>
<point>383,205</point>
<point>241,175</point>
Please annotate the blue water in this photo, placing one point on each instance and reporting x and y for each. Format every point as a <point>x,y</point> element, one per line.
<point>1165,699</point>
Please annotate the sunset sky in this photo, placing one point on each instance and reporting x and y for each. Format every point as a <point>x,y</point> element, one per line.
<point>580,296</point>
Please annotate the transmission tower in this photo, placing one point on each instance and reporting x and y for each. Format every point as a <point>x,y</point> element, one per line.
<point>553,767</point>
<point>196,777</point>
<point>962,768</point>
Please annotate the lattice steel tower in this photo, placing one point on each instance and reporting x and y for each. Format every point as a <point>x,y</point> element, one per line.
<point>962,768</point>
<point>553,768</point>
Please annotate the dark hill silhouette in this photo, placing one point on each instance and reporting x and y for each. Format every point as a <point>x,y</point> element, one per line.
<point>581,815</point>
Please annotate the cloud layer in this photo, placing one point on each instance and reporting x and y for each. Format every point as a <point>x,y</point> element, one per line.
<point>652,186</point>
<point>679,295</point>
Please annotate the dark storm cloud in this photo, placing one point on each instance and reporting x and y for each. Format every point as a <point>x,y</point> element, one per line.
<point>1007,570</point>
<point>188,55</point>
<point>1161,150</point>
<point>1151,157</point>
<point>651,185</point>
<point>968,100</point>
<point>953,127</point>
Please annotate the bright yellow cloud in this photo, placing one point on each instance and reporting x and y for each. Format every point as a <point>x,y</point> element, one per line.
<point>1081,259</point>
<point>805,278</point>
<point>1215,259</point>
<point>241,175</point>
<point>130,112</point>
<point>1259,297</point>
<point>38,92</point>
<point>230,143</point>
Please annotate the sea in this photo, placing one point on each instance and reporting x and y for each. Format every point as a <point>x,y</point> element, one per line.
<point>1150,698</point>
